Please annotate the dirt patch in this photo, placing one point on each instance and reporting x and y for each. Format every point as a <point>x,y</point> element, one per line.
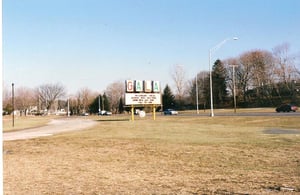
<point>281,131</point>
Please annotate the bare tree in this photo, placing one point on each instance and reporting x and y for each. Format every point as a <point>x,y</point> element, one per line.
<point>114,92</point>
<point>253,71</point>
<point>49,93</point>
<point>6,97</point>
<point>84,98</point>
<point>202,96</point>
<point>74,105</point>
<point>24,99</point>
<point>285,68</point>
<point>179,77</point>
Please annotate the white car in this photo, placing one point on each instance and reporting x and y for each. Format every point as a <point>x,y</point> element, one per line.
<point>104,112</point>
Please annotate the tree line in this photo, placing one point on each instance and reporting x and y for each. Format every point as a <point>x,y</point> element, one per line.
<point>258,78</point>
<point>261,79</point>
<point>51,98</point>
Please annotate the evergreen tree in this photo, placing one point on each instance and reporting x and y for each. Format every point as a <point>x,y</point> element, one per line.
<point>105,103</point>
<point>121,106</point>
<point>219,83</point>
<point>94,106</point>
<point>168,98</point>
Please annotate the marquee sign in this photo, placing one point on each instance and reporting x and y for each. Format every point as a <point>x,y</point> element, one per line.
<point>140,92</point>
<point>142,98</point>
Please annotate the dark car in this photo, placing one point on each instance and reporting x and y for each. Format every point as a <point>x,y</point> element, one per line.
<point>286,108</point>
<point>170,112</point>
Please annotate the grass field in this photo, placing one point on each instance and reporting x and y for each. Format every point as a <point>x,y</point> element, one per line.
<point>172,155</point>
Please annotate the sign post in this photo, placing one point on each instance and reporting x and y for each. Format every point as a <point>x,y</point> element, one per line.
<point>132,112</point>
<point>154,112</point>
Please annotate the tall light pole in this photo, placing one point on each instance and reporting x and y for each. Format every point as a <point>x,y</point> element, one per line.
<point>197,94</point>
<point>233,80</point>
<point>99,105</point>
<point>68,107</point>
<point>211,51</point>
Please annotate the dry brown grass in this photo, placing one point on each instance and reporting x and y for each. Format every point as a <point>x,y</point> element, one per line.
<point>172,155</point>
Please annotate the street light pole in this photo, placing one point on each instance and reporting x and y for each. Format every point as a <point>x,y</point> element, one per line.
<point>210,87</point>
<point>233,80</point>
<point>68,107</point>
<point>211,51</point>
<point>197,94</point>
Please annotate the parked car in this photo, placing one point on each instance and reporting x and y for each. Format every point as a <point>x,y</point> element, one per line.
<point>286,108</point>
<point>170,112</point>
<point>104,112</point>
<point>108,113</point>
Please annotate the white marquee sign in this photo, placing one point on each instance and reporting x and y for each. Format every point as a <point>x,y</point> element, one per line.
<point>142,98</point>
<point>140,92</point>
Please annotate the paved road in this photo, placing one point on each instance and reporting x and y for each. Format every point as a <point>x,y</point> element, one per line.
<point>53,127</point>
<point>207,113</point>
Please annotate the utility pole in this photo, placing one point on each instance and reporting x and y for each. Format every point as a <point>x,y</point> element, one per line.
<point>102,101</point>
<point>99,105</point>
<point>13,103</point>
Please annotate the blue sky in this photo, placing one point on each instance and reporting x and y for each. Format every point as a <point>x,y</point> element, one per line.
<point>92,43</point>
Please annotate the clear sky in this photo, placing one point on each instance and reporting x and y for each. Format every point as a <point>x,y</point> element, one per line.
<point>92,43</point>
